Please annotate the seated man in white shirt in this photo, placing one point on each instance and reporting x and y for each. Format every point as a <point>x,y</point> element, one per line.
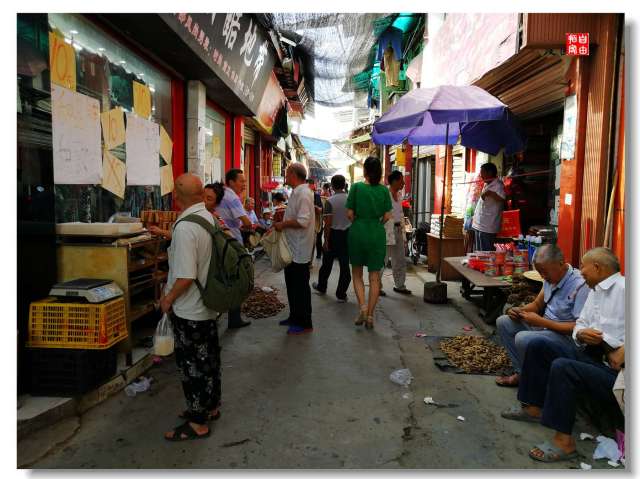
<point>554,376</point>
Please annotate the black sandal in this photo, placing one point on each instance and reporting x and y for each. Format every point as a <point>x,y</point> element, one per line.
<point>189,433</point>
<point>185,414</point>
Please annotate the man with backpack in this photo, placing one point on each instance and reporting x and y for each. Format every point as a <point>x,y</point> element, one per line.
<point>195,327</point>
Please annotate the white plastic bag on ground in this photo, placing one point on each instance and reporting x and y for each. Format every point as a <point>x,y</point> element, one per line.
<point>402,377</point>
<point>277,249</point>
<point>607,448</point>
<point>163,342</point>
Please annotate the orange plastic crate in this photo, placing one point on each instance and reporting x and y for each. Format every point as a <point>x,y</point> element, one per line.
<point>54,324</point>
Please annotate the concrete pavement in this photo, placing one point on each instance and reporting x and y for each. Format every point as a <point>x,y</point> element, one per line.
<point>322,400</point>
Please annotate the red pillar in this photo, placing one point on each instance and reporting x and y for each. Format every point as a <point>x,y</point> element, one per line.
<point>387,164</point>
<point>408,167</point>
<point>572,169</point>
<point>238,135</point>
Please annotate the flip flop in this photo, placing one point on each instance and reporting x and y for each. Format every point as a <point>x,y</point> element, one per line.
<point>516,413</point>
<point>552,453</point>
<point>189,433</point>
<point>508,381</point>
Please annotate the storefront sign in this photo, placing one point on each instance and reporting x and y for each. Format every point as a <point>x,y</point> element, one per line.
<point>577,44</point>
<point>233,45</point>
<point>272,101</point>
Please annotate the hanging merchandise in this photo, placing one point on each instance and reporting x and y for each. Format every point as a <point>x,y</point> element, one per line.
<point>391,36</point>
<point>391,68</point>
<point>281,124</point>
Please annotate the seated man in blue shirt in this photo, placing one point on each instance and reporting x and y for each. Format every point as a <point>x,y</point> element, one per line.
<point>553,314</point>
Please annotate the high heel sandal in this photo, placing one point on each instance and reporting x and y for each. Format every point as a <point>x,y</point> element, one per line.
<point>369,323</point>
<point>361,318</point>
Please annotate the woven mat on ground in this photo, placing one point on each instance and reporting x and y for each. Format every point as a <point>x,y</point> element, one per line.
<point>443,363</point>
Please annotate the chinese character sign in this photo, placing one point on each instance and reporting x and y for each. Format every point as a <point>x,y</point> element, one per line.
<point>577,44</point>
<point>234,46</point>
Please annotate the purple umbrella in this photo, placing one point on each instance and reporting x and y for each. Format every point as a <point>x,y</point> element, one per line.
<point>441,115</point>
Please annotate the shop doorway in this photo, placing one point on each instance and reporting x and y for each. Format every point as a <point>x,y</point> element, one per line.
<point>532,180</point>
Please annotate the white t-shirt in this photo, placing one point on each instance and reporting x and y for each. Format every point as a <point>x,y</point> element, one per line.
<point>397,213</point>
<point>189,257</point>
<point>488,215</point>
<point>301,209</point>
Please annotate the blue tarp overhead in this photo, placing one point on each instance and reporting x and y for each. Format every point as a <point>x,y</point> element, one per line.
<point>317,149</point>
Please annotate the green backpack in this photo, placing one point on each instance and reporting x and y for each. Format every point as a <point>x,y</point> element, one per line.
<point>230,276</point>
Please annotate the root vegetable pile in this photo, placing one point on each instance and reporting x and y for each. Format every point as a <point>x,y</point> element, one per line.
<point>475,354</point>
<point>262,305</point>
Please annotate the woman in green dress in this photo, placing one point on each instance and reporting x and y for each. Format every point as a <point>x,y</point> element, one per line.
<point>368,207</point>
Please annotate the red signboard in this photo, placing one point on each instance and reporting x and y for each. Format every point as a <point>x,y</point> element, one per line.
<point>577,44</point>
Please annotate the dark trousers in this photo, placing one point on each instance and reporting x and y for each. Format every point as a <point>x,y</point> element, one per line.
<point>554,377</point>
<point>197,351</point>
<point>484,241</point>
<point>233,317</point>
<point>319,244</point>
<point>338,249</point>
<point>296,277</point>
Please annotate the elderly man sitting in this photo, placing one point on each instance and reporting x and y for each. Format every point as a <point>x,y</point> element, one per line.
<point>555,375</point>
<point>552,314</point>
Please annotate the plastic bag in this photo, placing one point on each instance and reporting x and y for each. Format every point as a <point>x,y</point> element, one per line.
<point>140,385</point>
<point>163,342</point>
<point>402,377</point>
<point>276,246</point>
<point>607,448</point>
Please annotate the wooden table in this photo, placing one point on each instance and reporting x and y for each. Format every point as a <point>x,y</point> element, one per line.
<point>494,291</point>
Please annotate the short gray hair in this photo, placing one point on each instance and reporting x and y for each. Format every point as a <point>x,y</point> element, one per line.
<point>548,253</point>
<point>603,256</point>
<point>299,170</point>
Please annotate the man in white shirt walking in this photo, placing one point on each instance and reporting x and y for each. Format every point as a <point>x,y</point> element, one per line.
<point>299,228</point>
<point>487,218</point>
<point>396,248</point>
<point>195,328</point>
<point>555,375</point>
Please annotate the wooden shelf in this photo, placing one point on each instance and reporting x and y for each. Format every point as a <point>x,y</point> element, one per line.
<point>133,267</point>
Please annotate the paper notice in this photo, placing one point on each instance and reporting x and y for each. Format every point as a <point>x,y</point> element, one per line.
<point>141,100</point>
<point>113,131</point>
<point>77,153</point>
<point>62,61</point>
<point>166,180</point>
<point>143,150</point>
<point>114,173</point>
<point>166,145</point>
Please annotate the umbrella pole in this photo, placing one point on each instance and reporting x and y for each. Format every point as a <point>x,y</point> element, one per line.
<point>444,185</point>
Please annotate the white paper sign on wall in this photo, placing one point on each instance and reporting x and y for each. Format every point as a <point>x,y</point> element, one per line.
<point>77,153</point>
<point>143,150</point>
<point>568,199</point>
